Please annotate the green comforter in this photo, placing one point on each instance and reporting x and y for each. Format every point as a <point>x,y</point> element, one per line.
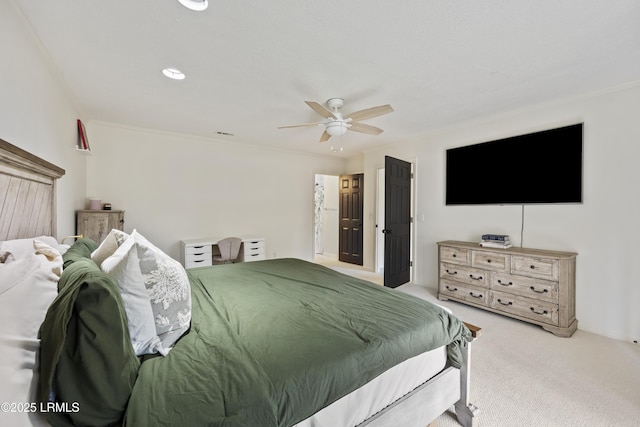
<point>272,342</point>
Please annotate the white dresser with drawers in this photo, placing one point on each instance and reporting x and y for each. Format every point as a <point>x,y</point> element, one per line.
<point>199,252</point>
<point>534,285</point>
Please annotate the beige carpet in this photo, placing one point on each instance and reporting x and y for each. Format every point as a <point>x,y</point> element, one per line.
<point>524,376</point>
<point>351,269</point>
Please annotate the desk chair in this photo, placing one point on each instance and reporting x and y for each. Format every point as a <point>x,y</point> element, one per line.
<point>229,250</point>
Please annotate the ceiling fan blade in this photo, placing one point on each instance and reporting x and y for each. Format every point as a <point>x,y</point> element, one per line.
<point>361,127</point>
<point>369,113</point>
<point>321,109</point>
<point>325,136</point>
<point>300,125</point>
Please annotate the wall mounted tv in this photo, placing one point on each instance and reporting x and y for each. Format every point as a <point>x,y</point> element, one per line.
<point>536,168</point>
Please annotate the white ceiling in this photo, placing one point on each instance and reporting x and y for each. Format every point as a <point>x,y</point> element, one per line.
<point>250,65</point>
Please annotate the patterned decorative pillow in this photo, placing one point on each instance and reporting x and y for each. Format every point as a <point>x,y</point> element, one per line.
<point>156,294</point>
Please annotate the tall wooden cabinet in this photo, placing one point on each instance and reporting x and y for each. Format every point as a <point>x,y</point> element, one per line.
<point>534,285</point>
<point>96,224</point>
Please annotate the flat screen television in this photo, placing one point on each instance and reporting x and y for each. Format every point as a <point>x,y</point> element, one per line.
<point>536,168</point>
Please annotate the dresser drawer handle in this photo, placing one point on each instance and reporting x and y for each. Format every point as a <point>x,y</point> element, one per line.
<point>533,267</point>
<point>503,303</point>
<point>199,253</point>
<point>475,278</point>
<point>544,291</point>
<point>449,272</point>
<point>488,261</point>
<point>198,247</point>
<point>198,260</point>
<point>452,289</point>
<point>454,255</point>
<point>539,312</point>
<point>475,296</point>
<point>505,284</point>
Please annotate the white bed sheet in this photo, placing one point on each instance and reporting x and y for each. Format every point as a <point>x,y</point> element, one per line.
<point>29,273</point>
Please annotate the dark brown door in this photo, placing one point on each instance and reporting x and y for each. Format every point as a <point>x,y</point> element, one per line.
<point>351,210</point>
<point>397,224</point>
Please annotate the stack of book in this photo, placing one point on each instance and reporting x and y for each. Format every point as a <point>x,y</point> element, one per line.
<point>500,241</point>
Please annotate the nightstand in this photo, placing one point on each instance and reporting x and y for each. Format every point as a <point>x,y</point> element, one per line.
<point>96,224</point>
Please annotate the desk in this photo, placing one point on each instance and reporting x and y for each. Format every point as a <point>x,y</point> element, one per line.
<point>199,252</point>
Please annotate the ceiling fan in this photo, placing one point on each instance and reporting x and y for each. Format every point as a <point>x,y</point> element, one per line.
<point>337,124</point>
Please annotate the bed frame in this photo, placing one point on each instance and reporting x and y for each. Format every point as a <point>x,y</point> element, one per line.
<point>27,194</point>
<point>28,209</point>
<point>451,387</point>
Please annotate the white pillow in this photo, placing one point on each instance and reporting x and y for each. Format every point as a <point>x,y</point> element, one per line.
<point>109,245</point>
<point>27,287</point>
<point>20,248</point>
<point>155,291</point>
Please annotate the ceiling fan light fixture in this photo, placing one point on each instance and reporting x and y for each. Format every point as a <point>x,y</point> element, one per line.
<point>336,128</point>
<point>197,5</point>
<point>337,125</point>
<point>174,73</point>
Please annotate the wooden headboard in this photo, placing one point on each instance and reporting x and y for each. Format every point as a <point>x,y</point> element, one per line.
<point>27,194</point>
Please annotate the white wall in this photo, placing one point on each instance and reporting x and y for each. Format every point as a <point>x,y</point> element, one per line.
<point>172,186</point>
<point>36,113</point>
<point>603,230</point>
<point>176,187</point>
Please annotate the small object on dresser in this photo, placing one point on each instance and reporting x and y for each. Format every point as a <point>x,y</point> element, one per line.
<point>95,204</point>
<point>500,241</point>
<point>107,206</point>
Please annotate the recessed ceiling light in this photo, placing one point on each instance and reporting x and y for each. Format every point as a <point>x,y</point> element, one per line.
<point>174,73</point>
<point>197,5</point>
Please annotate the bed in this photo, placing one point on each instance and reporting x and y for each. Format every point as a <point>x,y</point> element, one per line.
<point>280,342</point>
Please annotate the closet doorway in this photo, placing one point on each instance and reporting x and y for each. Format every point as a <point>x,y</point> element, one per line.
<point>394,221</point>
<point>326,218</point>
